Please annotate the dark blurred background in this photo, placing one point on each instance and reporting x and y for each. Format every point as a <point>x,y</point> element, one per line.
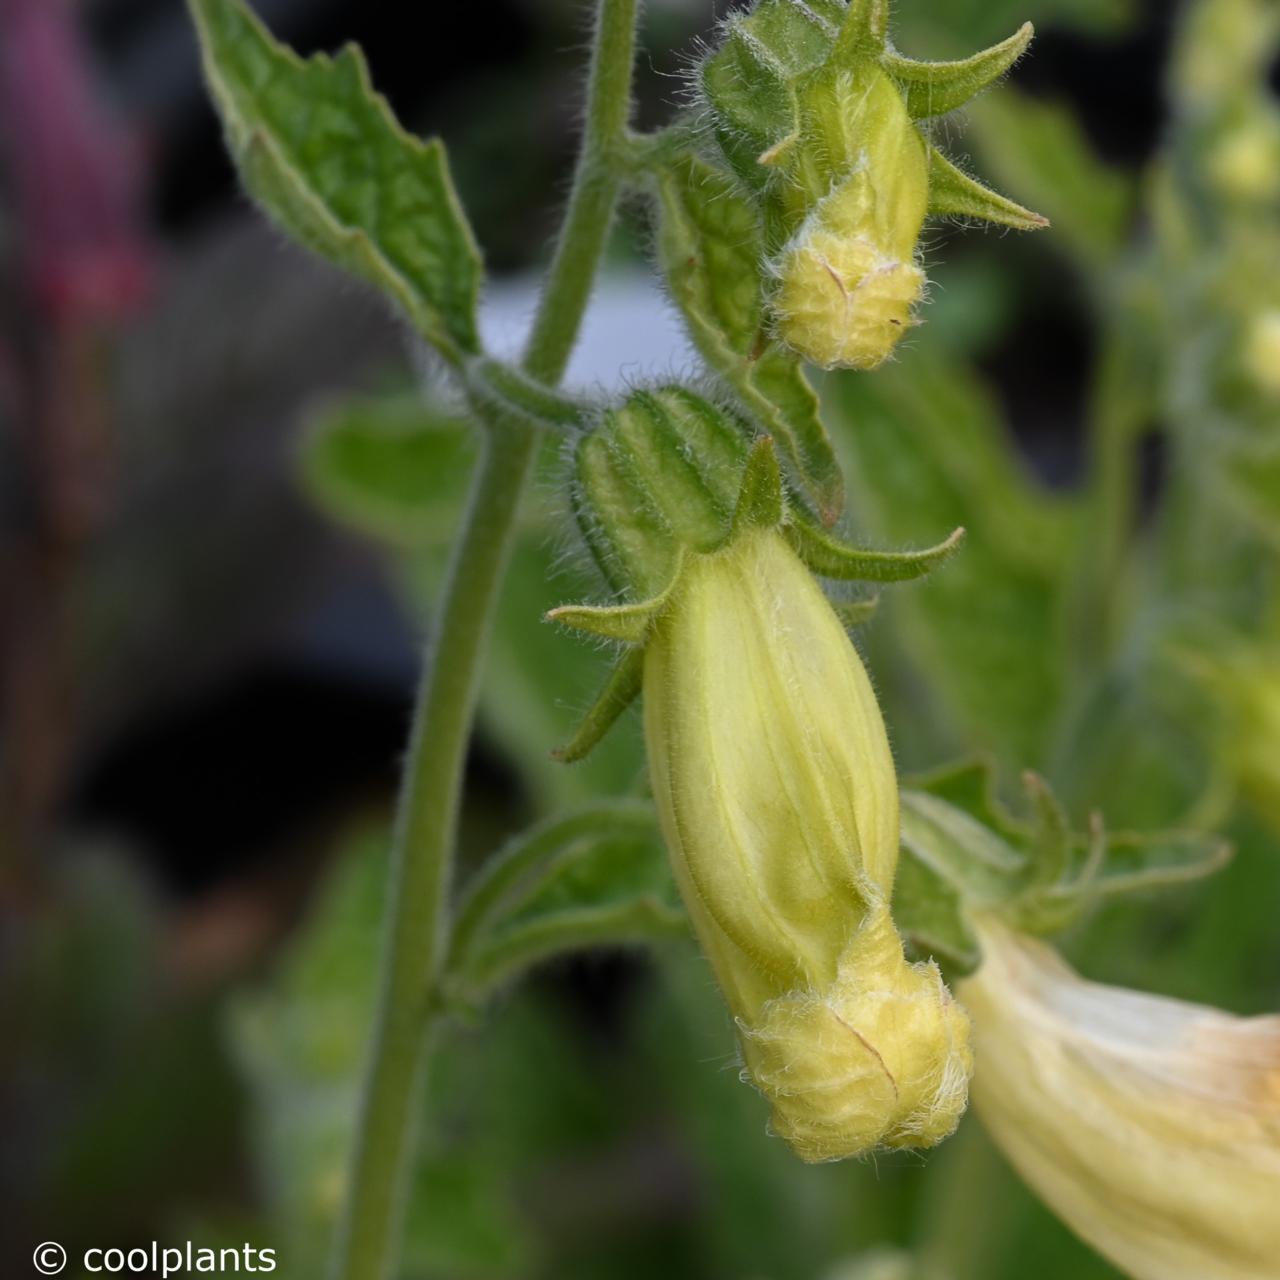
<point>203,677</point>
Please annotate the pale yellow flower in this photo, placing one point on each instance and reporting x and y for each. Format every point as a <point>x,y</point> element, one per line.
<point>776,789</point>
<point>1149,1125</point>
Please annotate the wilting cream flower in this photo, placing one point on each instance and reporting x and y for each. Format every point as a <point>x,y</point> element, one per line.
<point>776,790</point>
<point>1151,1126</point>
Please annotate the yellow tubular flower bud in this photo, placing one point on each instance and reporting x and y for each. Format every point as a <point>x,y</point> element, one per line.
<point>776,789</point>
<point>1151,1126</point>
<point>847,280</point>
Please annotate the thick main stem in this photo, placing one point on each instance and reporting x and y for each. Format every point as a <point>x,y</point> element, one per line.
<point>422,851</point>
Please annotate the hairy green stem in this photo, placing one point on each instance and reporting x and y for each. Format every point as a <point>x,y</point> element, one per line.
<point>595,192</point>
<point>425,835</point>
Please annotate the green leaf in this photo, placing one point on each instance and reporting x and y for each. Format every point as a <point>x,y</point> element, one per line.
<point>324,156</point>
<point>709,241</point>
<point>928,451</point>
<point>935,88</point>
<point>712,253</point>
<point>982,861</point>
<point>576,883</point>
<point>523,867</point>
<point>300,1039</point>
<point>1038,149</point>
<point>391,468</point>
<point>776,392</point>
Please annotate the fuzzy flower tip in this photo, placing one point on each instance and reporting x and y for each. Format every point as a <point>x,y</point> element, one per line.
<point>1151,1126</point>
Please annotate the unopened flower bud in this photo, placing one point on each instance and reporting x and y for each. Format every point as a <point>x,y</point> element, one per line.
<point>847,280</point>
<point>776,789</point>
<point>819,116</point>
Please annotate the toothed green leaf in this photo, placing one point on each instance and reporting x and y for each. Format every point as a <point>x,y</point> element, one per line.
<point>935,88</point>
<point>830,558</point>
<point>322,153</point>
<point>953,192</point>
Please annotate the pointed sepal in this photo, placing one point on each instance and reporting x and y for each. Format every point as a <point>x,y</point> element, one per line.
<point>620,691</point>
<point>627,623</point>
<point>935,88</point>
<point>865,31</point>
<point>952,192</point>
<point>760,501</point>
<point>1051,838</point>
<point>1035,870</point>
<point>856,613</point>
<point>831,558</point>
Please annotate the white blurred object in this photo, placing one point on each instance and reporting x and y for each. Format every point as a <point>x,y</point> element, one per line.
<point>630,334</point>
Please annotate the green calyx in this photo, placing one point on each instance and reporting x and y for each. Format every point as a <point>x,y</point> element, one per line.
<point>964,854</point>
<point>788,87</point>
<point>667,476</point>
<point>819,119</point>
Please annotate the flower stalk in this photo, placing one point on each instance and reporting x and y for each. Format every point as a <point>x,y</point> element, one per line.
<point>426,827</point>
